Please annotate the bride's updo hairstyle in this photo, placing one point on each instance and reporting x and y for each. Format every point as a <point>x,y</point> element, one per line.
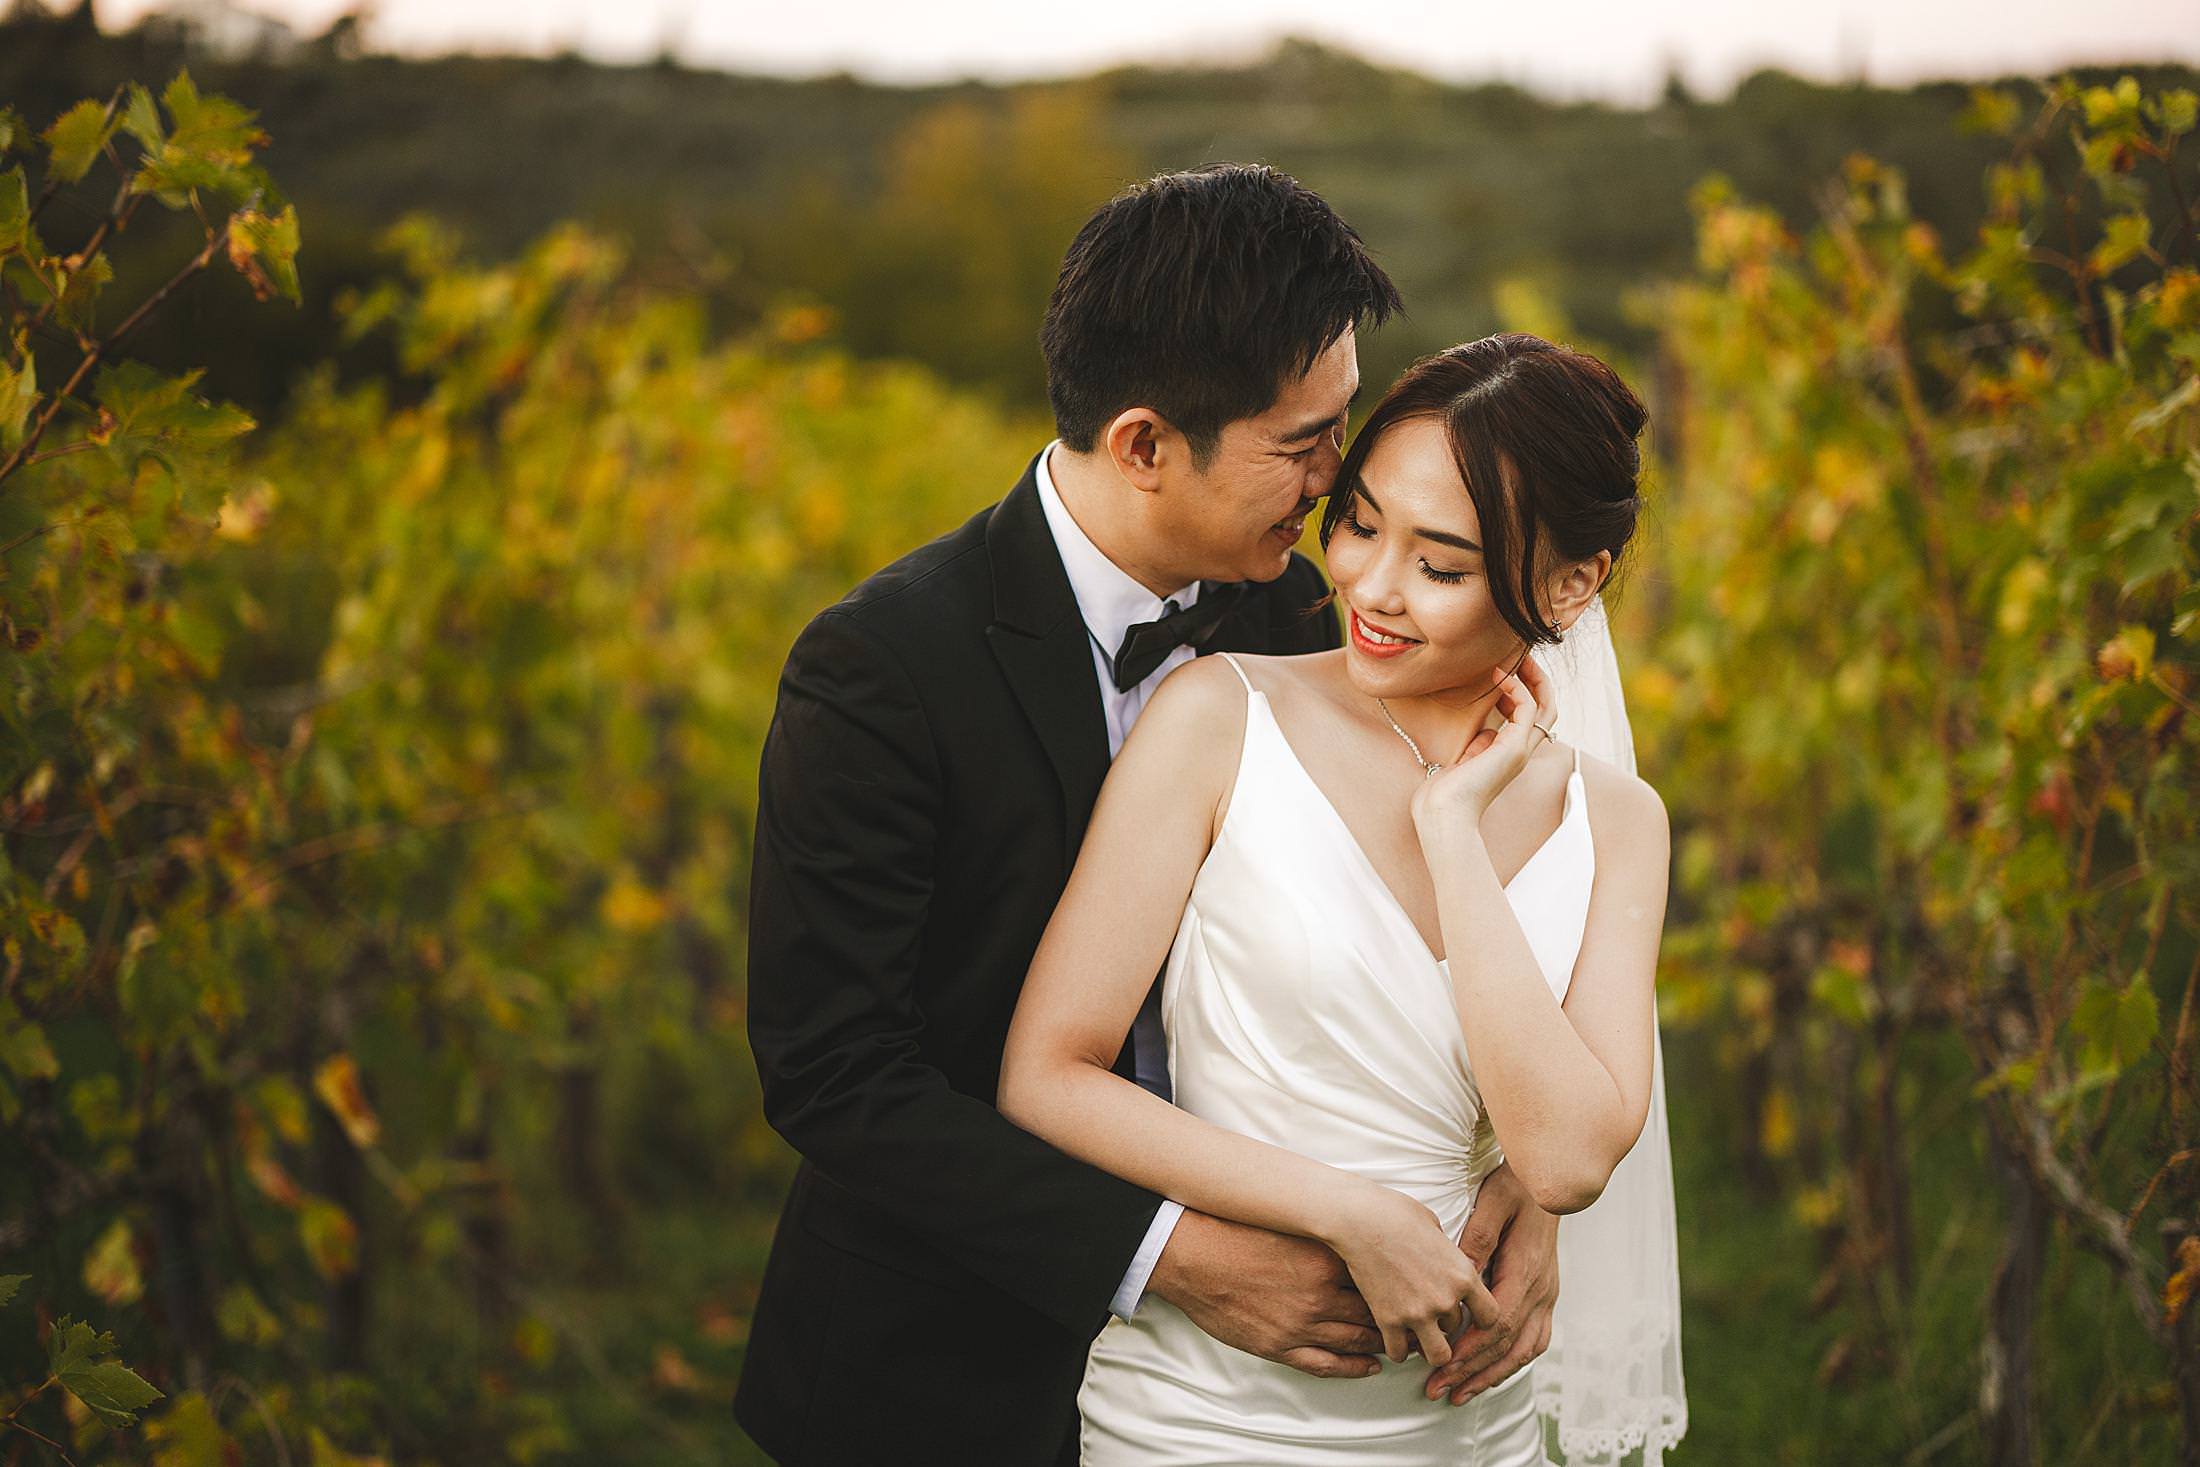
<point>1544,437</point>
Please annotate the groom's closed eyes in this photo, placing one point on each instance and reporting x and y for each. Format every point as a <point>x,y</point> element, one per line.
<point>1312,434</point>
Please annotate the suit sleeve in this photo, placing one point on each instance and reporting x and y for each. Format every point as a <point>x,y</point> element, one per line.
<point>848,818</point>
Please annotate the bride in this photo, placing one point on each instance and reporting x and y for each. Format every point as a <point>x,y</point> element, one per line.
<point>1409,933</point>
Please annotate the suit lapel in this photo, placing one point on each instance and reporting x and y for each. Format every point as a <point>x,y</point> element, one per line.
<point>1044,651</point>
<point>1040,642</point>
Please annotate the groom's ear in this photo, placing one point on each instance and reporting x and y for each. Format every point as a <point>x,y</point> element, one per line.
<point>1143,447</point>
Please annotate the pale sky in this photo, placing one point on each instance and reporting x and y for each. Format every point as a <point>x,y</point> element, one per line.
<point>1619,49</point>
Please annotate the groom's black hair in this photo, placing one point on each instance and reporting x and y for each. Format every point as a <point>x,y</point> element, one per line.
<point>1199,294</point>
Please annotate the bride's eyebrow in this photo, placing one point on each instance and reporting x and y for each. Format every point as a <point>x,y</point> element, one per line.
<point>1441,537</point>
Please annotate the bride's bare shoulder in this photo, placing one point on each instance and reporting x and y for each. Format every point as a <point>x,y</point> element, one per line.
<point>1287,675</point>
<point>1194,702</point>
<point>1206,698</point>
<point>1626,813</point>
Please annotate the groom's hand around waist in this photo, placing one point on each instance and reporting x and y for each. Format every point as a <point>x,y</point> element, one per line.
<point>1519,1243</point>
<point>1283,1298</point>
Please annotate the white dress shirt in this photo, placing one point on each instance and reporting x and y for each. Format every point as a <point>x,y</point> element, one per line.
<point>1111,601</point>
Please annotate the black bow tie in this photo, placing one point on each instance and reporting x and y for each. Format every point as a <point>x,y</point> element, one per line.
<point>1147,643</point>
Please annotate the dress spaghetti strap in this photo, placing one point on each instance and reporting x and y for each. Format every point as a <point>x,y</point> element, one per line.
<point>1226,657</point>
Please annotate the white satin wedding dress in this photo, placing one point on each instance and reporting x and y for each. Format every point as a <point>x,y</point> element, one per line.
<point>1304,1008</point>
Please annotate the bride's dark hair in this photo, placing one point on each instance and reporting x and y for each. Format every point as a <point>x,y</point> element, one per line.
<point>1544,437</point>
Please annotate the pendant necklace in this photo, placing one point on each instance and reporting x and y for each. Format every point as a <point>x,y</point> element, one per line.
<point>1428,770</point>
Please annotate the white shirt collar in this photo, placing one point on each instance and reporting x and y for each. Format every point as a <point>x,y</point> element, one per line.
<point>1108,597</point>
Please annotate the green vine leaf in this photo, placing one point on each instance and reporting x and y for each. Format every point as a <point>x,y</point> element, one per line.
<point>143,403</point>
<point>15,210</point>
<point>113,1391</point>
<point>74,1344</point>
<point>141,118</point>
<point>109,1389</point>
<point>209,147</point>
<point>18,396</point>
<point>265,251</point>
<point>2116,1025</point>
<point>24,1050</point>
<point>76,138</point>
<point>80,291</point>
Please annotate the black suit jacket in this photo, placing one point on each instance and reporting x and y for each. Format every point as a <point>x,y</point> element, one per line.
<point>937,1274</point>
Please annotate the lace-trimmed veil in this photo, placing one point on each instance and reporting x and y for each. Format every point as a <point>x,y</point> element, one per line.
<point>1611,1380</point>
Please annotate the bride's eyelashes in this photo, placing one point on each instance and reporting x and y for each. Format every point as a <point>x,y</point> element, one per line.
<point>1367,532</point>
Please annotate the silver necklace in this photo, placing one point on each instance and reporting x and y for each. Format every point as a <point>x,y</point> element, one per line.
<point>1428,770</point>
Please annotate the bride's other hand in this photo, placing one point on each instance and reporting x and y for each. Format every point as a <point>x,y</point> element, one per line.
<point>1413,1277</point>
<point>1520,1242</point>
<point>1462,791</point>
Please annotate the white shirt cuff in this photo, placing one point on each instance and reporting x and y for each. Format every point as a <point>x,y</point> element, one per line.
<point>1133,1289</point>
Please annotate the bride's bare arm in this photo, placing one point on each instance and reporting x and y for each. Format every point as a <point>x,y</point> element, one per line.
<point>1151,829</point>
<point>1567,1086</point>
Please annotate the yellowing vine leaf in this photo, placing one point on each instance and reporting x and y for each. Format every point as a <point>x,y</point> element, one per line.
<point>111,1267</point>
<point>337,1083</point>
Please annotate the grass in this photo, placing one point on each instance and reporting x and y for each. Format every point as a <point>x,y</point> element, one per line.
<point>1756,1351</point>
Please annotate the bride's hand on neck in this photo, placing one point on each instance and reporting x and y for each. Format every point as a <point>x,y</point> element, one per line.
<point>1453,802</point>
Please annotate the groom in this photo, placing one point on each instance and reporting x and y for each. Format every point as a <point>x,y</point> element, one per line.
<point>940,736</point>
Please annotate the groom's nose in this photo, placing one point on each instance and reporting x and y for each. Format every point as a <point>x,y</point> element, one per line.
<point>1321,468</point>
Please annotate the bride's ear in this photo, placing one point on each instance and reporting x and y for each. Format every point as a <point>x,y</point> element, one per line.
<point>1576,586</point>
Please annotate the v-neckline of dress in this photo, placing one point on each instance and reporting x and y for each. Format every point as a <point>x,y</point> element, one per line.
<point>1576,795</point>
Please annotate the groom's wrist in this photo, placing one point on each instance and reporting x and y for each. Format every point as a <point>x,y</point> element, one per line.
<point>1168,1265</point>
<point>1182,1262</point>
<point>1138,1278</point>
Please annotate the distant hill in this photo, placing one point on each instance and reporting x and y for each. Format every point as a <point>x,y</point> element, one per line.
<point>931,217</point>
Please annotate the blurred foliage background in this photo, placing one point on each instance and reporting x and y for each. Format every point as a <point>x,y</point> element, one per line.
<point>412,473</point>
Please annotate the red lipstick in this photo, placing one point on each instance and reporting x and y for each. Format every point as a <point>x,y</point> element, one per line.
<point>1367,646</point>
